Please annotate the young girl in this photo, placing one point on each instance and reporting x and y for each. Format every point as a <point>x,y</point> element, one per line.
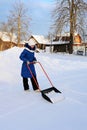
<point>27,56</point>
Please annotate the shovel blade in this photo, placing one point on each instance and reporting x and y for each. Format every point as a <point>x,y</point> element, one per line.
<point>52,95</point>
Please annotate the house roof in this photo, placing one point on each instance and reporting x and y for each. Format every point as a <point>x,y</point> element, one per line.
<point>59,42</point>
<point>7,37</point>
<point>40,39</point>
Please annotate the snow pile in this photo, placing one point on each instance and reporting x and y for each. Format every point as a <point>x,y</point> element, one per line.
<point>21,110</point>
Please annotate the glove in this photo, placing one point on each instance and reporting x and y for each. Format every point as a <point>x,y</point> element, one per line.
<point>28,62</point>
<point>35,62</point>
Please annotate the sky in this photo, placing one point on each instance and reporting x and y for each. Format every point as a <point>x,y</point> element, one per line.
<point>40,12</point>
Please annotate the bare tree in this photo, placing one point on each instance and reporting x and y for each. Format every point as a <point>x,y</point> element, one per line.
<point>19,20</point>
<point>69,14</point>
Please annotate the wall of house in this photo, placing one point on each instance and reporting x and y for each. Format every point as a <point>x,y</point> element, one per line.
<point>41,46</point>
<point>6,45</point>
<point>61,48</point>
<point>78,47</point>
<point>77,39</point>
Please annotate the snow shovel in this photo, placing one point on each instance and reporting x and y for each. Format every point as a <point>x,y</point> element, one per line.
<point>51,94</point>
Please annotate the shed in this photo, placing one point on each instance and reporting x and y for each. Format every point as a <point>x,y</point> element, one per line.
<point>60,46</point>
<point>61,43</point>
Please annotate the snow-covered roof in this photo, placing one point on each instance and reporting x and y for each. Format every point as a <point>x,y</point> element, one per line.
<point>58,42</point>
<point>41,39</point>
<point>5,36</point>
<point>66,34</point>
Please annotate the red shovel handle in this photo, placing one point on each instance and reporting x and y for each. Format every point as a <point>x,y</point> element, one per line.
<point>43,71</point>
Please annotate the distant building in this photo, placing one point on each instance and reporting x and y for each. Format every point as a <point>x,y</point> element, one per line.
<point>40,40</point>
<point>7,40</point>
<point>61,43</point>
<point>5,36</point>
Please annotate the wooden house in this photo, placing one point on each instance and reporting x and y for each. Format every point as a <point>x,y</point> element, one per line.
<point>39,40</point>
<point>61,43</point>
<point>4,45</point>
<point>7,41</point>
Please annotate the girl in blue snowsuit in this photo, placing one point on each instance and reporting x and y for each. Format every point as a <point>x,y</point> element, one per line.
<point>27,56</point>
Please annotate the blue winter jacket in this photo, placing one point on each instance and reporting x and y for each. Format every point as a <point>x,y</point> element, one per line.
<point>27,55</point>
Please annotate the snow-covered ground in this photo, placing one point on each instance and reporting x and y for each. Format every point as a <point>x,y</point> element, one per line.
<point>21,110</point>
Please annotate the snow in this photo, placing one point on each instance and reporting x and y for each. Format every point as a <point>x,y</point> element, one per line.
<point>21,110</point>
<point>54,96</point>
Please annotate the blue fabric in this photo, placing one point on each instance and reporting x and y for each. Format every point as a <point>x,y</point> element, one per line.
<point>25,56</point>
